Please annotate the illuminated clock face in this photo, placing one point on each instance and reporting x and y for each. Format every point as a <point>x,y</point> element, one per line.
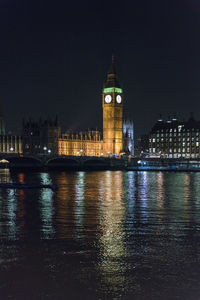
<point>108,98</point>
<point>119,99</point>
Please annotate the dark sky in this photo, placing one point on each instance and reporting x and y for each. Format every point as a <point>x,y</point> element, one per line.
<point>54,56</point>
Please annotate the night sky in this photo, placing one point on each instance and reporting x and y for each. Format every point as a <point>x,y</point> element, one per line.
<point>54,56</point>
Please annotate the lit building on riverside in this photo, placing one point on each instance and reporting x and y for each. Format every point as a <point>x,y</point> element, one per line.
<point>45,137</point>
<point>117,134</point>
<point>175,139</point>
<point>81,143</point>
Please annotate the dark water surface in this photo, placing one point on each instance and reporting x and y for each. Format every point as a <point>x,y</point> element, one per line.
<point>102,235</point>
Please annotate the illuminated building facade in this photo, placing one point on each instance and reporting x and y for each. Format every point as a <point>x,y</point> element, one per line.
<point>91,142</point>
<point>175,139</point>
<point>81,143</point>
<point>10,144</point>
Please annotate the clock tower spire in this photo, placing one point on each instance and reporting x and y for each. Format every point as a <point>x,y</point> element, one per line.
<point>112,102</point>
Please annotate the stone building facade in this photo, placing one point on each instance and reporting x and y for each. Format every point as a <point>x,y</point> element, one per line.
<point>88,143</point>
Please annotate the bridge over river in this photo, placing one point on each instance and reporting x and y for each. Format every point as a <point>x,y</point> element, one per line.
<point>19,161</point>
<point>61,162</point>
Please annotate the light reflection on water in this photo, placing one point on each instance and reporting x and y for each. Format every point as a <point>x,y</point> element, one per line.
<point>111,243</point>
<point>102,235</point>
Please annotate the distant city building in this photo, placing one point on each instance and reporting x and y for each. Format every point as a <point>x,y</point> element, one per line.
<point>175,139</point>
<point>40,138</point>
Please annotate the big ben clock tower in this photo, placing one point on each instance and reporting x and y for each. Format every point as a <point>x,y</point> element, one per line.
<point>112,101</point>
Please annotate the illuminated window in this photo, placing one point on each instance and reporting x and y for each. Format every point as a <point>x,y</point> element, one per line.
<point>183,150</point>
<point>154,140</point>
<point>179,127</point>
<point>197,143</point>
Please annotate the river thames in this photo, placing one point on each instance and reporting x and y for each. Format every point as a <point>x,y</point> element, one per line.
<point>101,235</point>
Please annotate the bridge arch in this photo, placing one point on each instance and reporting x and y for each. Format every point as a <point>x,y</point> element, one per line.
<point>96,163</point>
<point>63,162</point>
<point>21,161</point>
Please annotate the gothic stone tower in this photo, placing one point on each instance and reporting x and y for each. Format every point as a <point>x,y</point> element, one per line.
<point>112,102</point>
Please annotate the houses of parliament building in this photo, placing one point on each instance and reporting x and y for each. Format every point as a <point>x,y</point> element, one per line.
<point>45,137</point>
<point>117,134</point>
